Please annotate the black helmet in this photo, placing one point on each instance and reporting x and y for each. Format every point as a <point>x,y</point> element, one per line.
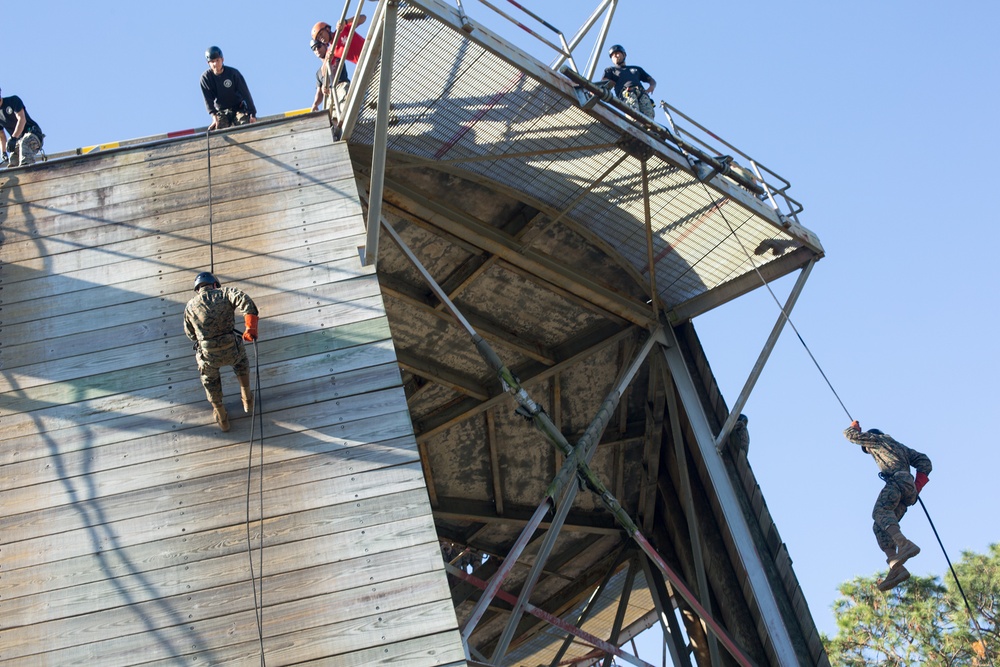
<point>617,47</point>
<point>875,431</point>
<point>213,52</point>
<point>205,278</point>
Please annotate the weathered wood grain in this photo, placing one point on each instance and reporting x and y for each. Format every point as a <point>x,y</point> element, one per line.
<point>127,514</point>
<point>185,389</point>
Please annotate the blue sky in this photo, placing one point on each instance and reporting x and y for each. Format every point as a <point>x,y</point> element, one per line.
<point>880,114</point>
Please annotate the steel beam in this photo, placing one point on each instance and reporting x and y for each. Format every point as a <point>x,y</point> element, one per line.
<point>741,285</point>
<point>765,353</point>
<point>487,329</point>
<point>471,409</point>
<point>694,528</point>
<point>672,636</point>
<point>733,518</point>
<point>580,455</point>
<point>381,132</point>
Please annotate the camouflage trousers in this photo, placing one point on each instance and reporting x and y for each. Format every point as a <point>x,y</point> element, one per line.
<point>637,99</point>
<point>890,506</point>
<point>212,356</point>
<point>228,118</point>
<point>25,150</point>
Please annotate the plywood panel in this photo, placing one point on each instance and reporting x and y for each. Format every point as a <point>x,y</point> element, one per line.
<point>128,519</point>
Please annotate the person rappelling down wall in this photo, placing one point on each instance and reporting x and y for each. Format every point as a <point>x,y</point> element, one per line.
<point>894,460</point>
<point>208,321</point>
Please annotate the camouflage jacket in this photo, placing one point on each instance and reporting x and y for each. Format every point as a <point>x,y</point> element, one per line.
<point>209,314</point>
<point>890,456</point>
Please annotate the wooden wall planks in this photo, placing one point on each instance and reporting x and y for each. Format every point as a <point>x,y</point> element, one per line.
<point>124,526</point>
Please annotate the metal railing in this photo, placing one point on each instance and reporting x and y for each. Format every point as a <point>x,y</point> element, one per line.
<point>775,186</point>
<point>695,139</point>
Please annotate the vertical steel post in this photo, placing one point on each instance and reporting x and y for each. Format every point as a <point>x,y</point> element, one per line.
<point>654,297</point>
<point>381,132</point>
<point>694,529</point>
<point>673,640</point>
<point>732,512</point>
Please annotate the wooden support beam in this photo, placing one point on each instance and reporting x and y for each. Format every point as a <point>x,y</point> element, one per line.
<point>655,406</point>
<point>491,240</point>
<point>529,376</point>
<point>491,444</point>
<point>741,285</point>
<point>438,374</point>
<point>460,509</point>
<point>489,330</point>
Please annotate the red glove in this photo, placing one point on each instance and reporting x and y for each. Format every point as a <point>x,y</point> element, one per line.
<point>251,323</point>
<point>855,425</point>
<point>920,480</point>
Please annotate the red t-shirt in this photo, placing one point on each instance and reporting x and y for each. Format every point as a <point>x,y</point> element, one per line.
<point>354,50</point>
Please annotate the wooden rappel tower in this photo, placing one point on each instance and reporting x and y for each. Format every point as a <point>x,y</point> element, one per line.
<point>486,431</point>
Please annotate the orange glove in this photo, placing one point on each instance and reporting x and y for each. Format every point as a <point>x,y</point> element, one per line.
<point>920,480</point>
<point>251,323</point>
<point>855,425</point>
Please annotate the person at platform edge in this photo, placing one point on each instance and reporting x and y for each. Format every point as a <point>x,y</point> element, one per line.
<point>324,75</point>
<point>894,460</point>
<point>330,45</point>
<point>227,96</point>
<point>208,321</point>
<point>628,80</point>
<point>25,136</point>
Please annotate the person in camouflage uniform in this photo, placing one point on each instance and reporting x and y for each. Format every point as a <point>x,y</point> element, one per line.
<point>628,80</point>
<point>739,437</point>
<point>894,460</point>
<point>208,321</point>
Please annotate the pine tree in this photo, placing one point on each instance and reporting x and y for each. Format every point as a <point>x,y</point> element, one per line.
<point>922,621</point>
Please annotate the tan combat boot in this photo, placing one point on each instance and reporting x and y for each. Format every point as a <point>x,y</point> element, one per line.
<point>905,549</point>
<point>246,393</point>
<point>221,417</point>
<point>896,576</point>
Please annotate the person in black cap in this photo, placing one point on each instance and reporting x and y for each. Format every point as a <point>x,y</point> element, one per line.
<point>227,97</point>
<point>25,136</point>
<point>325,74</point>
<point>894,460</point>
<point>628,80</point>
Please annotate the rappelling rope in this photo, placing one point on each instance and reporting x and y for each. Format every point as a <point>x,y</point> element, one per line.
<point>958,583</point>
<point>258,600</point>
<point>211,244</point>
<point>781,308</point>
<point>830,385</point>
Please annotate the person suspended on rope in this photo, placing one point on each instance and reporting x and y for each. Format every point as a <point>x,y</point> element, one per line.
<point>894,460</point>
<point>323,46</point>
<point>226,94</point>
<point>628,80</point>
<point>208,321</point>
<point>25,136</point>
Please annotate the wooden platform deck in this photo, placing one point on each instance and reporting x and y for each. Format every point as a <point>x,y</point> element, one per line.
<point>124,534</point>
